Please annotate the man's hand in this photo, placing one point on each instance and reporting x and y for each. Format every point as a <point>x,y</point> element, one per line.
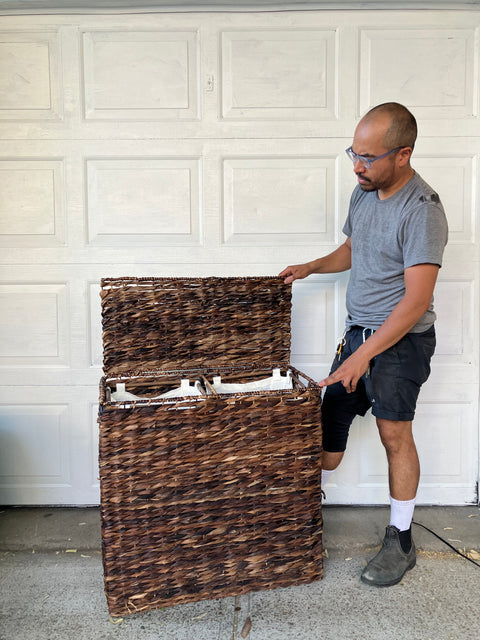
<point>349,372</point>
<point>338,260</point>
<point>295,272</point>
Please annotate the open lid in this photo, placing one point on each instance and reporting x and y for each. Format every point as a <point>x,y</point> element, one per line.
<point>180,323</point>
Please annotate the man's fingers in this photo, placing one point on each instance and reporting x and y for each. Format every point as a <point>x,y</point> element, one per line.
<point>348,374</point>
<point>288,275</point>
<point>294,272</point>
<point>348,383</point>
<point>328,381</point>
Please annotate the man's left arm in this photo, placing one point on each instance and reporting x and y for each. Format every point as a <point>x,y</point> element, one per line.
<point>419,285</point>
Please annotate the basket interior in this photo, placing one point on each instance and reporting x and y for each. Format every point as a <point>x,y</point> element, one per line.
<point>148,386</point>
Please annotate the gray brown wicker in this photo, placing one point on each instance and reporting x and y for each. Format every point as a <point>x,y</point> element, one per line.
<point>210,496</point>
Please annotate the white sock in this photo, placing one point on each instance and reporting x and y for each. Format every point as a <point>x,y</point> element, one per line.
<point>326,473</point>
<point>401,513</point>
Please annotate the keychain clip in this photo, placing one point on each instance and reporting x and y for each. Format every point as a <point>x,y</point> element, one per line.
<point>341,343</point>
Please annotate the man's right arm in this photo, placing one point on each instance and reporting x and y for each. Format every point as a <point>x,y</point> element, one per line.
<point>338,260</point>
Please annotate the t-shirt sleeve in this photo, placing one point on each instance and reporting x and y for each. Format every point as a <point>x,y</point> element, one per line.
<point>347,227</point>
<point>424,235</point>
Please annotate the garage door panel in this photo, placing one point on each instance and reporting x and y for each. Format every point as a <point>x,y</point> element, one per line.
<point>144,201</point>
<point>213,144</point>
<point>48,445</point>
<point>30,75</point>
<point>34,325</point>
<point>455,176</point>
<point>279,74</point>
<point>439,423</point>
<point>318,320</point>
<point>34,424</point>
<point>434,75</point>
<point>32,206</point>
<point>35,445</point>
<point>278,200</point>
<point>95,324</point>
<point>445,470</point>
<point>454,305</point>
<point>141,75</point>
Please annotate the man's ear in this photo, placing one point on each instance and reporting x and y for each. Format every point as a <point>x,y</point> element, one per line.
<point>403,156</point>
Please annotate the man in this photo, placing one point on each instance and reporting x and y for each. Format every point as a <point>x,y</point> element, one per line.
<point>396,233</point>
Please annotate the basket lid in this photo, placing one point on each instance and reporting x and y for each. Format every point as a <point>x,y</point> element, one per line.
<point>180,323</point>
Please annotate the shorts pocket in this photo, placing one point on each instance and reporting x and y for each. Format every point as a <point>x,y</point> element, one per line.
<point>415,352</point>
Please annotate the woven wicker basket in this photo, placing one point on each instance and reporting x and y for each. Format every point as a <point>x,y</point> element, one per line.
<point>210,496</point>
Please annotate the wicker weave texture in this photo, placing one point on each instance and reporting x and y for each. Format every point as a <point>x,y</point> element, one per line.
<point>211,501</point>
<point>167,323</point>
<point>209,496</point>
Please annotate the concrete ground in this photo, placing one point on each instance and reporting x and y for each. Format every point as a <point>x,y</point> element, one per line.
<point>51,585</point>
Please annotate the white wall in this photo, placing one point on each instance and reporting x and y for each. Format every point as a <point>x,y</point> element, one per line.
<point>213,144</point>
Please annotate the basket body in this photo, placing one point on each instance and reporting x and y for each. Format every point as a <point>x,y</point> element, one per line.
<point>212,496</point>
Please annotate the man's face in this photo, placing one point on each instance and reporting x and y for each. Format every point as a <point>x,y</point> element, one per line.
<point>367,141</point>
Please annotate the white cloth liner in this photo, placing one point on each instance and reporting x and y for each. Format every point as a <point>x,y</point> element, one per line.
<point>120,395</point>
<point>276,382</point>
<point>185,389</point>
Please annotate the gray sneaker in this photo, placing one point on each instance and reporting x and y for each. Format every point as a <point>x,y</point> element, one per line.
<point>391,563</point>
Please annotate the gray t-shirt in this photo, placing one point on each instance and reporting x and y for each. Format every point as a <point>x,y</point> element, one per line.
<point>387,237</point>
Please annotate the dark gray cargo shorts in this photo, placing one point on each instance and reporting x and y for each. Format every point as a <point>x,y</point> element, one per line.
<point>390,387</point>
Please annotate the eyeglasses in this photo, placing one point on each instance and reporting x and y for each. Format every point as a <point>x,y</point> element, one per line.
<point>366,160</point>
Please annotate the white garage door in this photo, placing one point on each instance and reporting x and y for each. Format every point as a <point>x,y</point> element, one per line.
<point>206,144</point>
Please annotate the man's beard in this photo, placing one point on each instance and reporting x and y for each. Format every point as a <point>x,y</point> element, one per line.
<point>367,185</point>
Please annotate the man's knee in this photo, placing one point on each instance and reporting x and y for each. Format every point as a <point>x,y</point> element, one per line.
<point>331,459</point>
<point>395,434</point>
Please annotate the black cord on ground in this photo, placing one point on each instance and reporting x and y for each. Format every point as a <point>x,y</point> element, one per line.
<point>447,543</point>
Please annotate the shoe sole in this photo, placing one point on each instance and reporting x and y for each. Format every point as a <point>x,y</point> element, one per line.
<point>391,583</point>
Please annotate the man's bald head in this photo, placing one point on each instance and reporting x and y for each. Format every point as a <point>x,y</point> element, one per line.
<point>400,125</point>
